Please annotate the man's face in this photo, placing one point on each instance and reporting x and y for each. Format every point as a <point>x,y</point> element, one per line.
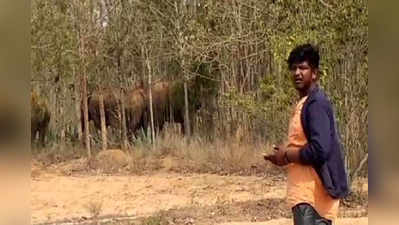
<point>303,75</point>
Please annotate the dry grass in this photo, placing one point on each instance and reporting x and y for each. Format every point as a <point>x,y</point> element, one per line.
<point>58,153</point>
<point>173,152</point>
<point>155,220</point>
<point>94,208</point>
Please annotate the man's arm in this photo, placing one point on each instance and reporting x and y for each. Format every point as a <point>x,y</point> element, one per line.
<point>320,137</point>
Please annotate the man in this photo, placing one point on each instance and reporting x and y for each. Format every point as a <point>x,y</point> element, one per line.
<point>316,177</point>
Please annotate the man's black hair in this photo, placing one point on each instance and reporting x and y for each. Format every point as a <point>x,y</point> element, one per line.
<point>302,53</point>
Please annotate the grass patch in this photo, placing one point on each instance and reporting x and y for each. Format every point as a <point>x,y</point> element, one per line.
<point>174,152</point>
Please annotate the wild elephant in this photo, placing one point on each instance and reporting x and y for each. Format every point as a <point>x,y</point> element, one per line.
<point>134,103</point>
<point>168,105</point>
<point>111,104</point>
<point>135,107</point>
<point>160,105</point>
<point>40,118</point>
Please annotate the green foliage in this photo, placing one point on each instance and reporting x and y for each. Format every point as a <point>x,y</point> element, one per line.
<point>232,52</point>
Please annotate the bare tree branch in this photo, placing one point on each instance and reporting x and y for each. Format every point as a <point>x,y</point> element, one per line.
<point>359,168</point>
<point>327,5</point>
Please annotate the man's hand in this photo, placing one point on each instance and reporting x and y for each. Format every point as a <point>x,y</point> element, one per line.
<point>278,158</point>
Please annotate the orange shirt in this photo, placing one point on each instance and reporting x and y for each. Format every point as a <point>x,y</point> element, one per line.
<point>303,183</point>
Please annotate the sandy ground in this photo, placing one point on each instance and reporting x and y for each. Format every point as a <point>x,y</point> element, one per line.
<point>213,198</point>
<point>341,221</point>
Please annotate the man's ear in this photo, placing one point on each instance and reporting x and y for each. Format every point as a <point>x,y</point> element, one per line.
<point>315,74</point>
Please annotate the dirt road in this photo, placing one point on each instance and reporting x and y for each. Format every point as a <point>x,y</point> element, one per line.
<point>181,199</point>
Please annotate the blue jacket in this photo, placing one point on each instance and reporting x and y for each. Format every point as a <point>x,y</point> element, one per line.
<point>323,150</point>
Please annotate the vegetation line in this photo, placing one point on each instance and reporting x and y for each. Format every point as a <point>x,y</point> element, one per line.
<point>100,219</point>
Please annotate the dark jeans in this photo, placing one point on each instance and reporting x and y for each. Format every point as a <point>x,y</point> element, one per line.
<point>305,214</point>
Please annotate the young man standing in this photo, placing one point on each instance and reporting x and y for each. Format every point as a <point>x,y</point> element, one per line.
<point>316,177</point>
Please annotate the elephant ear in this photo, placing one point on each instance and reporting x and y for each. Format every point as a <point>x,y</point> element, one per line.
<point>39,108</point>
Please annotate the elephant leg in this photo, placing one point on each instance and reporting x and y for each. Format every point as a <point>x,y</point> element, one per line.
<point>130,134</point>
<point>183,128</point>
<point>161,126</point>
<point>32,136</point>
<point>179,119</point>
<point>42,136</point>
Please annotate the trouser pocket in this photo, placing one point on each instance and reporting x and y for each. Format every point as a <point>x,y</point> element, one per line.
<point>305,214</point>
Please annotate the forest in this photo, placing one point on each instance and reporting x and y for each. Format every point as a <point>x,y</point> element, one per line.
<point>216,69</point>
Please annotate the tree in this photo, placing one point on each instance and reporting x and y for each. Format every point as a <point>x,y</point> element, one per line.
<point>239,47</point>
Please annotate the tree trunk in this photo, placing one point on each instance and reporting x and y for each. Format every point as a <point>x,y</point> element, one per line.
<point>123,121</point>
<point>150,99</point>
<point>182,50</point>
<point>78,110</point>
<point>119,114</point>
<point>62,121</point>
<point>86,115</point>
<point>186,114</point>
<point>102,119</point>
